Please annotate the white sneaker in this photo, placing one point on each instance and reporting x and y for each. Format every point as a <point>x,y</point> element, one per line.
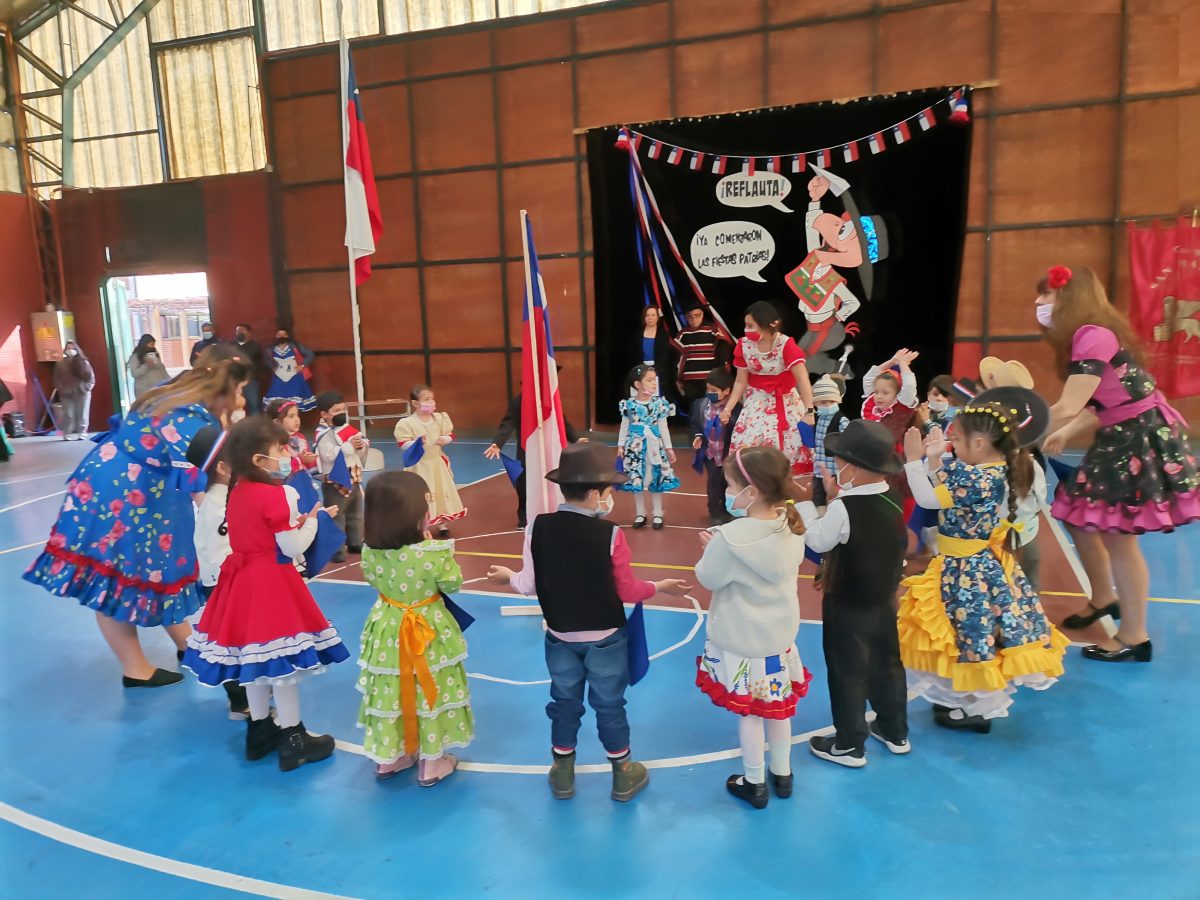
<point>897,747</point>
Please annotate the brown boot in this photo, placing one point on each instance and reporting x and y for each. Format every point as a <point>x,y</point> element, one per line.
<point>629,778</point>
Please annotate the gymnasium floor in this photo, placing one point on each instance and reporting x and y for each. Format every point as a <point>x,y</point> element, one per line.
<point>1091,787</point>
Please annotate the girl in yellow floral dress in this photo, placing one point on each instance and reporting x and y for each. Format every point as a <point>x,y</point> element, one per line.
<point>971,628</point>
<point>416,703</point>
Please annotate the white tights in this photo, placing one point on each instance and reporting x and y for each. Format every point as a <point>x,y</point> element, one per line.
<point>287,702</point>
<point>778,738</point>
<point>656,500</point>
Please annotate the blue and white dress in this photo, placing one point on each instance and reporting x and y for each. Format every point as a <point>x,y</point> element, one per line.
<point>123,542</point>
<point>288,361</point>
<point>645,440</point>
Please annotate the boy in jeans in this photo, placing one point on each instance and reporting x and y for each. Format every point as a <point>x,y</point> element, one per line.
<point>579,567</point>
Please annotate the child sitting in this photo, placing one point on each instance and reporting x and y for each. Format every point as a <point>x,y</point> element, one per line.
<point>750,664</point>
<point>862,538</point>
<point>828,391</point>
<point>711,439</point>
<point>416,702</point>
<point>579,566</point>
<point>337,437</point>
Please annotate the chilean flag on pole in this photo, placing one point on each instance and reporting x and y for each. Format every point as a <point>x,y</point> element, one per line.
<point>364,222</point>
<point>543,427</point>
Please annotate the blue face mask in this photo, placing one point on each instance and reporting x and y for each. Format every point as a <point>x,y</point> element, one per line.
<point>731,499</point>
<point>826,411</point>
<point>283,466</point>
<point>713,398</point>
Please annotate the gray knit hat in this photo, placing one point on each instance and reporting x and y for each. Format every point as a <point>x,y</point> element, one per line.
<point>825,388</point>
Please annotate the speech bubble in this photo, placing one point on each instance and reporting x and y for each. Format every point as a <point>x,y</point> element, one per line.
<point>760,189</point>
<point>732,249</point>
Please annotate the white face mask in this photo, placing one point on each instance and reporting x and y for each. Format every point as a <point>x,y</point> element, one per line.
<point>939,405</point>
<point>1045,314</point>
<point>844,485</point>
<point>605,507</point>
<point>71,351</point>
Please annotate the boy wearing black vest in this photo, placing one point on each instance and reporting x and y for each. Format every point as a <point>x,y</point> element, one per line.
<point>579,567</point>
<point>862,538</point>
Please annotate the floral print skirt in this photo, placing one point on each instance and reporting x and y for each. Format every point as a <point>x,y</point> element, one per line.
<point>767,687</point>
<point>1139,475</point>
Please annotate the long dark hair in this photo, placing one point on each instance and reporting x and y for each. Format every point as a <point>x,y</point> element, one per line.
<point>251,437</point>
<point>996,423</point>
<point>771,473</point>
<point>143,346</point>
<point>397,504</point>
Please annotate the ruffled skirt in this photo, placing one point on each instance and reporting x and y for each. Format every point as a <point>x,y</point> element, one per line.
<point>768,687</point>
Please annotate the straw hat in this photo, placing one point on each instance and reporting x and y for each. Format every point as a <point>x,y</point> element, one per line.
<point>994,373</point>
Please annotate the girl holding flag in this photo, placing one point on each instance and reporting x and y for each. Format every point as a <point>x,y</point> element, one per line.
<point>422,436</point>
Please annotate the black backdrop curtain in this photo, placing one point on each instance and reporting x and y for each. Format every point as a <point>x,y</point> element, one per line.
<point>918,188</point>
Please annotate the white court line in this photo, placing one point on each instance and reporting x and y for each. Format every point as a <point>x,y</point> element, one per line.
<point>35,478</point>
<point>154,863</point>
<point>23,547</point>
<point>1069,552</point>
<point>480,480</point>
<point>34,500</point>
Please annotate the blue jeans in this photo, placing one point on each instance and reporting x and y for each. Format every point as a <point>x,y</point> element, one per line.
<point>603,666</point>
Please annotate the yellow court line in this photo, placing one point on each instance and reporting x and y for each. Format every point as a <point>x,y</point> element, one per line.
<point>636,564</point>
<point>1152,599</point>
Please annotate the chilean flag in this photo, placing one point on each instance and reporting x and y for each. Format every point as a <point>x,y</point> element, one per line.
<point>543,427</point>
<point>364,222</point>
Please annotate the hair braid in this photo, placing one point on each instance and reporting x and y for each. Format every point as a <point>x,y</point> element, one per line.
<point>1011,457</point>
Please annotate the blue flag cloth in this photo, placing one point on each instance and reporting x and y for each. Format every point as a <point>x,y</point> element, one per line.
<point>339,472</point>
<point>639,653</point>
<point>808,434</point>
<point>698,461</point>
<point>330,537</point>
<point>413,454</point>
<point>1064,472</point>
<point>812,555</point>
<point>512,468</point>
<point>461,616</point>
<point>921,519</point>
<point>619,465</point>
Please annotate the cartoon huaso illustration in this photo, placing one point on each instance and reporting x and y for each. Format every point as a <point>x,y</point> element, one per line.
<point>835,243</point>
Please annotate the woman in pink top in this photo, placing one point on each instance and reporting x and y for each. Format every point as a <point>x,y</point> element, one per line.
<point>1138,475</point>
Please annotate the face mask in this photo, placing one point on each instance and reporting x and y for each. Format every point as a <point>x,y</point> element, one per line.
<point>826,411</point>
<point>279,342</point>
<point>70,352</point>
<point>605,508</point>
<point>340,419</point>
<point>241,339</point>
<point>731,499</point>
<point>844,485</point>
<point>283,466</point>
<point>236,416</point>
<point>753,334</point>
<point>428,407</point>
<point>1045,314</point>
<point>208,335</point>
<point>939,405</point>
<point>713,398</point>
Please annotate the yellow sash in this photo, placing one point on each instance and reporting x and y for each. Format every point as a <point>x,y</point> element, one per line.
<point>415,636</point>
<point>963,547</point>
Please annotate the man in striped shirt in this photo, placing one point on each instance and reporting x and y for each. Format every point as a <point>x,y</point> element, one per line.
<point>701,348</point>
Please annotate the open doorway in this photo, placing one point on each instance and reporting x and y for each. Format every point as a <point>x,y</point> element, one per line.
<point>169,308</point>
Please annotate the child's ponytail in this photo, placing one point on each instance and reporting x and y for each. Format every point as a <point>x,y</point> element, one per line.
<point>770,472</point>
<point>795,522</point>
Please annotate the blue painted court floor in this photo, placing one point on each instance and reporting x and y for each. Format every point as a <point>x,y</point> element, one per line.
<point>1091,788</point>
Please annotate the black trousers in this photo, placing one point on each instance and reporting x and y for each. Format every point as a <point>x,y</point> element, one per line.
<point>519,487</point>
<point>862,656</point>
<point>715,488</point>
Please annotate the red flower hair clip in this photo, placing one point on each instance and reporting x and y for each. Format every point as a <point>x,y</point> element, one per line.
<point>1058,277</point>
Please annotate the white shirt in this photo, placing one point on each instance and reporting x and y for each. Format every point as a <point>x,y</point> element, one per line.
<point>328,445</point>
<point>212,547</point>
<point>824,532</point>
<point>908,386</point>
<point>1029,507</point>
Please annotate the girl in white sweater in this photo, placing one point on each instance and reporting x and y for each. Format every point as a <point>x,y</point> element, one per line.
<point>750,665</point>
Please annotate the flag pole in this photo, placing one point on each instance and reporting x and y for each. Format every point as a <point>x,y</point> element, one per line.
<point>534,338</point>
<point>355,321</point>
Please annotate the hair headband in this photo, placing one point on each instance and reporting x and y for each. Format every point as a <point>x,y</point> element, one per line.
<point>737,456</point>
<point>285,406</point>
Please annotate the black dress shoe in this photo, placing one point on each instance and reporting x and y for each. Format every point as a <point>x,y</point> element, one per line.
<point>1090,615</point>
<point>966,723</point>
<point>782,785</point>
<point>754,794</point>
<point>160,678</point>
<point>639,522</point>
<point>657,523</point>
<point>1125,653</point>
<point>356,550</point>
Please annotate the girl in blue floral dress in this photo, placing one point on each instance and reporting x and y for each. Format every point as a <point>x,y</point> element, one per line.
<point>644,445</point>
<point>972,629</point>
<point>122,544</point>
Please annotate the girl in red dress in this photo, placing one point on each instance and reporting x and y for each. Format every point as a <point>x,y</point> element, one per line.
<point>262,628</point>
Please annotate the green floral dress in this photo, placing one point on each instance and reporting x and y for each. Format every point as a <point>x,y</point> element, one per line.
<point>411,575</point>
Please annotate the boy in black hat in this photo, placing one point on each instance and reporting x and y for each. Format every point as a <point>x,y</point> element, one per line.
<point>579,567</point>
<point>862,538</point>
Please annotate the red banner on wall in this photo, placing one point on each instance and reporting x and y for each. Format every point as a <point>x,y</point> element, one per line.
<point>1164,302</point>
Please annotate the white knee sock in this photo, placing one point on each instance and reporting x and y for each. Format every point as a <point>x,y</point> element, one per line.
<point>639,503</point>
<point>779,742</point>
<point>656,504</point>
<point>750,736</point>
<point>259,697</point>
<point>287,705</point>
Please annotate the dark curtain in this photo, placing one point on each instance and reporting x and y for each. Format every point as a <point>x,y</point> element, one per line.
<point>918,187</point>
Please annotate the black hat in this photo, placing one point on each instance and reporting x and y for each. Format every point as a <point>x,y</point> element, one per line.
<point>328,399</point>
<point>586,464</point>
<point>205,448</point>
<point>1029,413</point>
<point>868,445</point>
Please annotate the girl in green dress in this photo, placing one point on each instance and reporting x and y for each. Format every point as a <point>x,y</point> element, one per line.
<point>416,703</point>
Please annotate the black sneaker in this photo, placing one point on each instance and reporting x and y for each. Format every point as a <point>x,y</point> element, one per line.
<point>754,794</point>
<point>160,678</point>
<point>826,748</point>
<point>898,747</point>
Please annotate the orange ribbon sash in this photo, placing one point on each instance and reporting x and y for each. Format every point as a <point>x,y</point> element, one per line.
<point>415,636</point>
